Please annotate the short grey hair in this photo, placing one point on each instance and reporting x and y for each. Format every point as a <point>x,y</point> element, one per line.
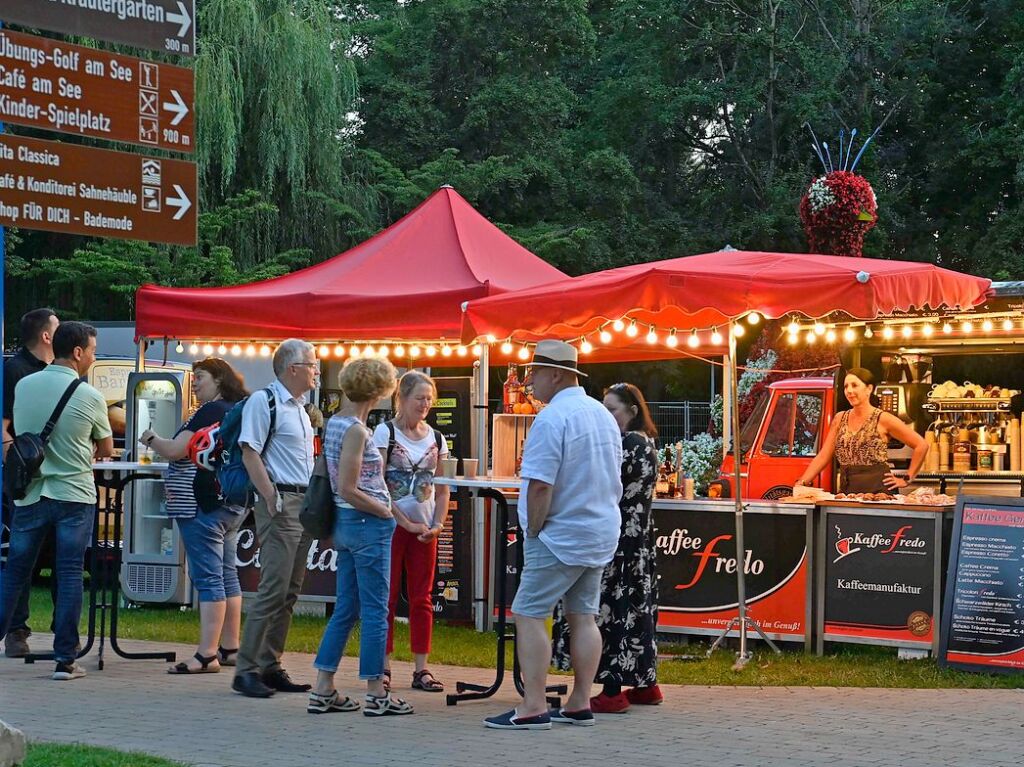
<point>290,352</point>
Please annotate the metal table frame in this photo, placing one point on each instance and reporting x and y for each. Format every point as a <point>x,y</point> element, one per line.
<point>105,564</point>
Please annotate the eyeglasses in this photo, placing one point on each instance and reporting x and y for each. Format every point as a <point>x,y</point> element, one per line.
<point>307,364</point>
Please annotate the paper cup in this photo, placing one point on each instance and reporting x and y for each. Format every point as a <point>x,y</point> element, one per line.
<point>448,466</point>
<point>469,467</point>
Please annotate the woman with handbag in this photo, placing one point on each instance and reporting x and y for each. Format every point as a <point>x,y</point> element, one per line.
<point>412,453</point>
<point>208,528</point>
<point>363,529</point>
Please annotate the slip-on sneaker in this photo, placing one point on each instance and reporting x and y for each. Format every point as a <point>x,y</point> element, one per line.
<point>645,696</point>
<point>510,720</point>
<point>584,718</point>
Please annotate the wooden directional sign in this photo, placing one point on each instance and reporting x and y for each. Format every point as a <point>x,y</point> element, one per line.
<point>162,25</point>
<point>81,190</point>
<point>69,88</point>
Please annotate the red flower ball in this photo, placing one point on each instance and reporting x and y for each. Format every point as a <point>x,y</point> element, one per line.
<point>837,210</point>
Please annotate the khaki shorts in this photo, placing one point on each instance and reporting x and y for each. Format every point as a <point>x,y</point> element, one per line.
<point>546,579</point>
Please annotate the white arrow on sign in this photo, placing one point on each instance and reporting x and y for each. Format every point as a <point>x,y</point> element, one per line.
<point>180,108</point>
<point>181,202</point>
<point>181,18</point>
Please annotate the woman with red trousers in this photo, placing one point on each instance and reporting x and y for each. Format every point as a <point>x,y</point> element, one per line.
<point>412,452</point>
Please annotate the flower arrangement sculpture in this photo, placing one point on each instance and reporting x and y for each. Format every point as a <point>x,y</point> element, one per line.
<point>839,207</point>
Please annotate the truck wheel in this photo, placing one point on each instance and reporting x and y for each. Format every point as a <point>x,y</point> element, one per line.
<point>777,492</point>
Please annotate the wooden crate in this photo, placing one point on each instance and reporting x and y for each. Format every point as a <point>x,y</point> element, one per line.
<point>508,432</point>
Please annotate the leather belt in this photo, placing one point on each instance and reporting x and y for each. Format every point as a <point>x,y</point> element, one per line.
<point>300,489</point>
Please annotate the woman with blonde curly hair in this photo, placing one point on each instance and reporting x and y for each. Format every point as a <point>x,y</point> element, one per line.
<point>363,528</point>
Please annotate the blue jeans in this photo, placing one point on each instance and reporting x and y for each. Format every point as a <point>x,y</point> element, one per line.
<point>73,525</point>
<point>363,542</point>
<point>210,540</point>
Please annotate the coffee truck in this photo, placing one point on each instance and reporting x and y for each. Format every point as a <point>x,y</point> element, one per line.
<point>956,379</point>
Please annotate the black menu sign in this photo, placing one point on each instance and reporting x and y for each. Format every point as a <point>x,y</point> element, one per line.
<point>983,619</point>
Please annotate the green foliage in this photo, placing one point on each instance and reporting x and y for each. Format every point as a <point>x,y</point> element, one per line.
<point>60,755</point>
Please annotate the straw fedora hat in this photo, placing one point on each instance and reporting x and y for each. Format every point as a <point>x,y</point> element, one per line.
<point>556,354</point>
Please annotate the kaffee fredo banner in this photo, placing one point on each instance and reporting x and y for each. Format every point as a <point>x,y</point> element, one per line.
<point>880,577</point>
<point>983,617</point>
<point>697,563</point>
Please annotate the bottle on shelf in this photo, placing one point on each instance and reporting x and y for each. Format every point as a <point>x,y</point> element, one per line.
<point>962,451</point>
<point>512,389</point>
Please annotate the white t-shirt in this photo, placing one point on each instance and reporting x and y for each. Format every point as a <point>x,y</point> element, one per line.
<point>410,472</point>
<point>576,447</point>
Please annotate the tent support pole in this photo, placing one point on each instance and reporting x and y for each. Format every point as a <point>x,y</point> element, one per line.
<point>742,621</point>
<point>480,554</point>
<point>140,356</point>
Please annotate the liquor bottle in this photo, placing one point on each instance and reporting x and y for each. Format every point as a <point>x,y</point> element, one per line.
<point>511,395</point>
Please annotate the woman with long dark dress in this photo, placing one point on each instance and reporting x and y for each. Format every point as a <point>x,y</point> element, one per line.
<point>629,588</point>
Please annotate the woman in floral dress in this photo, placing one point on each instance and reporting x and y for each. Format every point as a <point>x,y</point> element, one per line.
<point>629,589</point>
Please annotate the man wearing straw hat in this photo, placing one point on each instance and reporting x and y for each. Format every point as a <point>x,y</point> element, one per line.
<point>569,515</point>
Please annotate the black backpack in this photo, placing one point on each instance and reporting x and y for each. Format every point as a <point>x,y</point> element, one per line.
<point>438,437</point>
<point>27,451</point>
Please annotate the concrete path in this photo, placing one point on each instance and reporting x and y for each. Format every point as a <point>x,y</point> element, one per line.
<point>135,705</point>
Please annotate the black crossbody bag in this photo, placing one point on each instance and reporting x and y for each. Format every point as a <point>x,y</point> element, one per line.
<point>27,451</point>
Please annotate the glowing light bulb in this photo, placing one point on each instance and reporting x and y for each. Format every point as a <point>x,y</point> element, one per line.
<point>384,351</point>
<point>830,336</point>
<point>906,331</point>
<point>339,350</point>
<point>618,325</point>
<point>987,326</point>
<point>524,353</point>
<point>414,351</point>
<point>737,330</point>
<point>264,351</point>
<point>586,347</point>
<point>947,328</point>
<point>849,335</point>
<point>324,350</point>
<point>354,351</point>
<point>606,337</point>
<point>927,330</point>
<point>193,349</point>
<point>431,351</point>
<point>179,348</point>
<point>446,351</point>
<point>222,350</point>
<point>811,337</point>
<point>250,350</point>
<point>793,328</point>
<point>236,350</point>
<point>506,348</point>
<point>692,340</point>
<point>632,330</point>
<point>1007,324</point>
<point>652,336</point>
<point>208,350</point>
<point>888,333</point>
<point>491,339</point>
<point>477,350</point>
<point>673,340</point>
<point>462,351</point>
<point>716,337</point>
<point>753,318</point>
<point>399,351</point>
<point>793,339</point>
<point>819,329</point>
<point>967,326</point>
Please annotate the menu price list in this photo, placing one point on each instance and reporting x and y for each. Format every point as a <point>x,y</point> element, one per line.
<point>986,617</point>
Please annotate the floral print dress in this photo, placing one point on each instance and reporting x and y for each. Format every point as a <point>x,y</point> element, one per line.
<point>629,586</point>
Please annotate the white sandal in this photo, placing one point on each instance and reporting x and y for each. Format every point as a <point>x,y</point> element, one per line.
<point>387,705</point>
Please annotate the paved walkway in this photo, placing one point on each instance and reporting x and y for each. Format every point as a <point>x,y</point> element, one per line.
<point>134,705</point>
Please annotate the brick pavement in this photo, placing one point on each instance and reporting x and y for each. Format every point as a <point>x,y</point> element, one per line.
<point>134,705</point>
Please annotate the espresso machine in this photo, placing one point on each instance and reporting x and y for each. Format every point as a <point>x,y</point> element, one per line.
<point>903,392</point>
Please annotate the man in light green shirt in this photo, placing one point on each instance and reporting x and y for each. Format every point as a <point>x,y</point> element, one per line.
<point>62,496</point>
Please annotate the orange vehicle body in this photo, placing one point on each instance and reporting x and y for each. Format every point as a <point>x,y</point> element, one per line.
<point>781,437</point>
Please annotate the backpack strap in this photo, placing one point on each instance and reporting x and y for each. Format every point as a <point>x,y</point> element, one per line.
<point>391,441</point>
<point>44,435</point>
<point>272,406</point>
<point>439,439</point>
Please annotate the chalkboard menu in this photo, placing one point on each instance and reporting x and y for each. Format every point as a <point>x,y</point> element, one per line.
<point>983,619</point>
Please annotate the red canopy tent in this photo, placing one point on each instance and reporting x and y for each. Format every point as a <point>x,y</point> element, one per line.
<point>406,283</point>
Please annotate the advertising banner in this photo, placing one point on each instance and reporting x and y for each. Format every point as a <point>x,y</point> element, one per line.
<point>983,619</point>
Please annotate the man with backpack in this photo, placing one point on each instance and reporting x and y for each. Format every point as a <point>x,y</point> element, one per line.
<point>60,494</point>
<point>277,449</point>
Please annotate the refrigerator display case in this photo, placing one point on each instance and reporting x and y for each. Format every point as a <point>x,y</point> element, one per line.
<point>153,557</point>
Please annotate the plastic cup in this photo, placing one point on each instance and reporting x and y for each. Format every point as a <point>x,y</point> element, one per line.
<point>449,466</point>
<point>469,466</point>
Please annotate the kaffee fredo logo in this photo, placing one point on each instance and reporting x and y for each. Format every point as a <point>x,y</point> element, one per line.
<point>899,542</point>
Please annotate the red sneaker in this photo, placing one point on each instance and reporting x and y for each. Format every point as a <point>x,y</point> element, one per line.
<point>609,704</point>
<point>645,696</point>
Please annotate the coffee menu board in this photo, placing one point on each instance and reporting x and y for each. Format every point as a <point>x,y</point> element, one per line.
<point>983,619</point>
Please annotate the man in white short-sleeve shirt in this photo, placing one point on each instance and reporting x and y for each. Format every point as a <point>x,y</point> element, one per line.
<point>280,463</point>
<point>569,515</point>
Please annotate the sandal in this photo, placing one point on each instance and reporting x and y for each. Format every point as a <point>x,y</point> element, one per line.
<point>182,668</point>
<point>226,657</point>
<point>386,706</point>
<point>385,677</point>
<point>424,680</point>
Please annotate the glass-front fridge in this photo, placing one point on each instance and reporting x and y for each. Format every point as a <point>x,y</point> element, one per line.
<point>153,558</point>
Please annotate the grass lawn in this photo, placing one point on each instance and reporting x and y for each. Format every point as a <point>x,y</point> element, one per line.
<point>57,755</point>
<point>456,645</point>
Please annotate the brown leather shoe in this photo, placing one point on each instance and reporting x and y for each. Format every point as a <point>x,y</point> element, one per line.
<point>16,643</point>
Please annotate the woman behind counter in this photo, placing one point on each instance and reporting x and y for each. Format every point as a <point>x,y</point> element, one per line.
<point>859,440</point>
<point>629,589</point>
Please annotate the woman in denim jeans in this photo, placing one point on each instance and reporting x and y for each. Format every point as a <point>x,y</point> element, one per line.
<point>208,528</point>
<point>363,529</point>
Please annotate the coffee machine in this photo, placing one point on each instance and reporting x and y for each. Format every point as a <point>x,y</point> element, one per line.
<point>906,381</point>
